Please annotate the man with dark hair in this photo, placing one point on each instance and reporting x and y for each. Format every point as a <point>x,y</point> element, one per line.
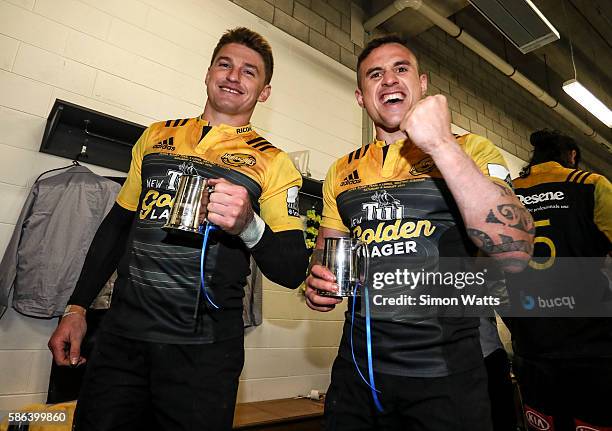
<point>166,358</point>
<point>376,43</point>
<point>552,146</point>
<point>563,355</point>
<point>445,196</point>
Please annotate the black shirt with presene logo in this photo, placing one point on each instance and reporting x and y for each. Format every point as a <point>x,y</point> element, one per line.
<point>157,294</point>
<point>395,199</point>
<point>572,210</point>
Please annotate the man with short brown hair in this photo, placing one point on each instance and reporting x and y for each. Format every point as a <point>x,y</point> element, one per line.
<point>167,358</point>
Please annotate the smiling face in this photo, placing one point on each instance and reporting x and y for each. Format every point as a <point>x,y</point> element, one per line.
<point>235,82</point>
<point>390,85</point>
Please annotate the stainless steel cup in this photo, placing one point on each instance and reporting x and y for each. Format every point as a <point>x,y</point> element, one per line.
<point>188,212</point>
<point>347,258</point>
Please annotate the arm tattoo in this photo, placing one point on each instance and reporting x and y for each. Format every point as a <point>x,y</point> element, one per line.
<point>492,219</point>
<point>516,216</point>
<point>511,214</point>
<point>486,243</point>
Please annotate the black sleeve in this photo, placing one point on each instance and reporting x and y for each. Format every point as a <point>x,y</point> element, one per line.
<point>282,257</point>
<point>103,255</point>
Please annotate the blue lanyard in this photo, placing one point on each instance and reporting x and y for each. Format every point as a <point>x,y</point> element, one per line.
<point>371,383</point>
<point>209,227</point>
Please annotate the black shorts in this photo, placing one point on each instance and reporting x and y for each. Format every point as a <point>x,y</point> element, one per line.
<point>133,385</point>
<point>566,392</point>
<point>459,402</point>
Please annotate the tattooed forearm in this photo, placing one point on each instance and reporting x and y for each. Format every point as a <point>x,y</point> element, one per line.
<point>508,244</point>
<point>511,214</point>
<point>517,217</point>
<point>507,232</point>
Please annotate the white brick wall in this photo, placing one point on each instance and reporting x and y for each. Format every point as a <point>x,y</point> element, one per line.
<point>145,60</point>
<point>32,28</point>
<point>8,51</point>
<point>76,15</point>
<point>44,66</point>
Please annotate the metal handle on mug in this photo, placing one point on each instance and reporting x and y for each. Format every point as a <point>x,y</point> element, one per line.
<point>205,223</point>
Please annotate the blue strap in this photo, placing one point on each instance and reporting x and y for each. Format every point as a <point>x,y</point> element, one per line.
<point>352,347</point>
<point>371,383</point>
<point>369,345</point>
<point>209,227</point>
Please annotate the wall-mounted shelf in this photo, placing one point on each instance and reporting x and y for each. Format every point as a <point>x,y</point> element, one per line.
<point>73,132</point>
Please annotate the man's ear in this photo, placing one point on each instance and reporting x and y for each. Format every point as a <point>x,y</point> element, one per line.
<point>207,76</point>
<point>265,93</point>
<point>359,97</point>
<point>423,82</point>
<point>572,158</point>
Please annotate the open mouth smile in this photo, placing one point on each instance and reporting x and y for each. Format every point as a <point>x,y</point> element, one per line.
<point>392,98</point>
<point>230,90</point>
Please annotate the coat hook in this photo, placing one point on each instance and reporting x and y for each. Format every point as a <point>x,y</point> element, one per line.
<point>83,154</point>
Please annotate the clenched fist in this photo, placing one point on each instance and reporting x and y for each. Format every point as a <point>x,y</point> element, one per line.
<point>427,124</point>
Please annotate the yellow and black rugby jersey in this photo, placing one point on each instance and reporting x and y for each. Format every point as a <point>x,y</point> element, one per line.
<point>157,296</point>
<point>377,166</point>
<point>579,202</point>
<point>395,199</point>
<point>238,154</point>
<point>572,211</point>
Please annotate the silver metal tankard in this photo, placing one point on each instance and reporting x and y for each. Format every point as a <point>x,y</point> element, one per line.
<point>347,258</point>
<point>188,213</point>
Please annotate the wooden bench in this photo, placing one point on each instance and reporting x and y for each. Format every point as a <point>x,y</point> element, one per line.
<point>290,414</point>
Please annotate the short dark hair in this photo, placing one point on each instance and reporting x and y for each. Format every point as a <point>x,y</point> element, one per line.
<point>551,146</point>
<point>250,39</point>
<point>377,43</point>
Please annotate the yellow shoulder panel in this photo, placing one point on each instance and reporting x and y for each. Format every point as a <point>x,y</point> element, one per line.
<point>331,216</point>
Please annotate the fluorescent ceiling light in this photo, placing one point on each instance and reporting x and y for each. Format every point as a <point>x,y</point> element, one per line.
<point>520,21</point>
<point>591,103</point>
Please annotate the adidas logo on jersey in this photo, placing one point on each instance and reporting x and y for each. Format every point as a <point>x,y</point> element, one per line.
<point>351,179</point>
<point>166,144</point>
